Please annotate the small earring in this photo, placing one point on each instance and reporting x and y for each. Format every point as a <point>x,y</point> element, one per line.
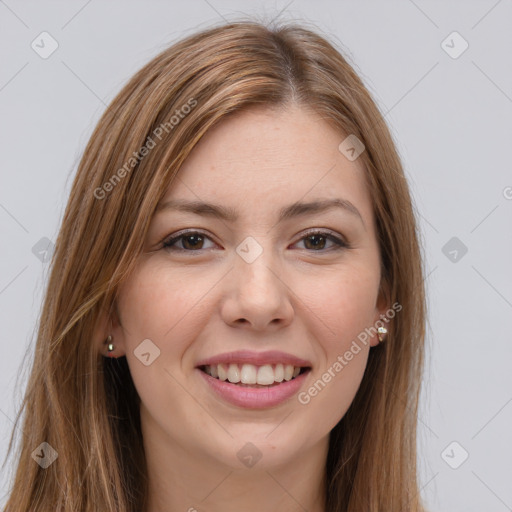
<point>110,346</point>
<point>382,331</point>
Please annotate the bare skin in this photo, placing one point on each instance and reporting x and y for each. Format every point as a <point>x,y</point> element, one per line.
<point>302,295</point>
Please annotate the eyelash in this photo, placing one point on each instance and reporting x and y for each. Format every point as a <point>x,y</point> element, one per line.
<point>339,243</point>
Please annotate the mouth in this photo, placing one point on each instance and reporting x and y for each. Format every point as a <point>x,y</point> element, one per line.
<point>254,376</point>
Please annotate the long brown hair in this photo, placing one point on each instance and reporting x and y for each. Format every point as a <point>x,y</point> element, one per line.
<point>84,405</point>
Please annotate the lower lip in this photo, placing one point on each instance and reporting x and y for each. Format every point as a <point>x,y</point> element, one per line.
<point>255,398</point>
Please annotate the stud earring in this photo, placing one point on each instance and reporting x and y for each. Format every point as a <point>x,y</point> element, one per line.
<point>110,346</point>
<point>382,331</point>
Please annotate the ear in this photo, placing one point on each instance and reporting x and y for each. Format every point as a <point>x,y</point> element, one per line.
<point>108,324</point>
<point>381,318</point>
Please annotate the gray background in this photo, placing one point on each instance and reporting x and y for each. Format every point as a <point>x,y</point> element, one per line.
<point>451,119</point>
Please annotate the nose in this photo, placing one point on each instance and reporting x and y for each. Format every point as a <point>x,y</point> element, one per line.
<point>257,297</point>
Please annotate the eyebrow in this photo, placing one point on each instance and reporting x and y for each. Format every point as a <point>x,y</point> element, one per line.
<point>296,209</point>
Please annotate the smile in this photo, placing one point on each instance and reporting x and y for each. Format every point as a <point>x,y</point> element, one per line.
<point>252,375</point>
<point>255,396</point>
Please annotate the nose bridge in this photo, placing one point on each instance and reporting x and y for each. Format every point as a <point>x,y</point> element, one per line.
<point>256,262</point>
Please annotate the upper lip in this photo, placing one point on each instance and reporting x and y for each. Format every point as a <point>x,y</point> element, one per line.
<point>255,358</point>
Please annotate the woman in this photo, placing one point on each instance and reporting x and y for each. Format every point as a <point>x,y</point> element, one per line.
<point>235,314</point>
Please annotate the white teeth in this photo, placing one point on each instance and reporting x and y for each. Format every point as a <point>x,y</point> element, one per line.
<point>279,372</point>
<point>222,373</point>
<point>265,375</point>
<point>233,373</point>
<point>248,374</point>
<point>288,372</point>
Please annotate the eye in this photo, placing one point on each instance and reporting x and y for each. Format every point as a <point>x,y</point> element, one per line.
<point>317,241</point>
<point>193,241</point>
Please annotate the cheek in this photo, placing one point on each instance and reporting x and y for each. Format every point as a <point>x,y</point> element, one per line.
<point>343,304</point>
<point>343,309</point>
<point>157,304</point>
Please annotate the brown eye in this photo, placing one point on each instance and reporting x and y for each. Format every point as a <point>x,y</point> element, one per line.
<point>317,241</point>
<point>191,241</point>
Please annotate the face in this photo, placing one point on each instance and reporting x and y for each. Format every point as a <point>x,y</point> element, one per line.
<point>254,291</point>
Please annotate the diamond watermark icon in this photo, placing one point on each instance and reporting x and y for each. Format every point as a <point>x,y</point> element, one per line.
<point>249,455</point>
<point>44,455</point>
<point>44,45</point>
<point>43,249</point>
<point>454,249</point>
<point>146,352</point>
<point>454,45</point>
<point>351,148</point>
<point>454,455</point>
<point>249,249</point>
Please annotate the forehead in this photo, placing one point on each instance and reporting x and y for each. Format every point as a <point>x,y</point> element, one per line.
<point>264,159</point>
